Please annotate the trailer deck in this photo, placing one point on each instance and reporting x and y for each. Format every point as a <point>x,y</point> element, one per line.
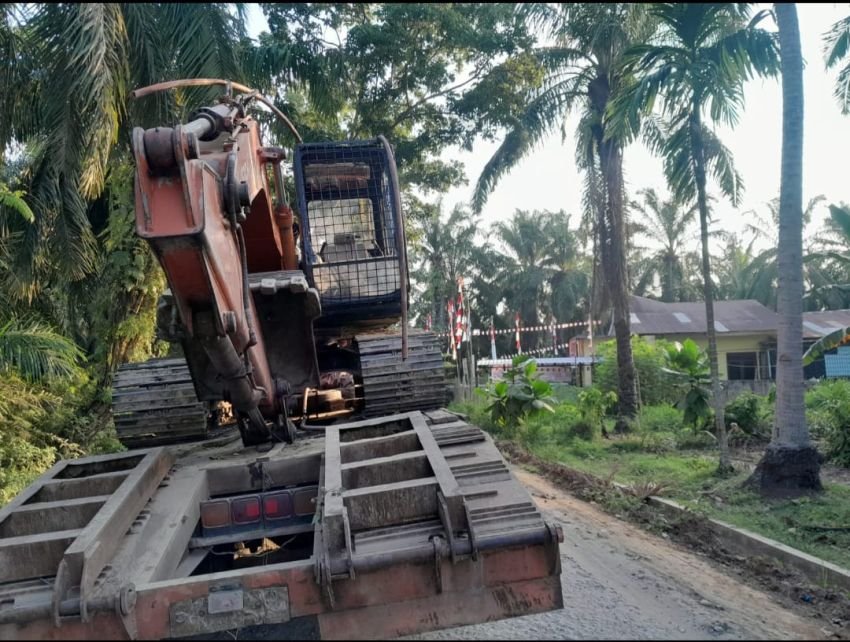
<point>370,529</point>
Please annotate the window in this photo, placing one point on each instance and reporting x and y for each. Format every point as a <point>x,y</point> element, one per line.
<point>741,365</point>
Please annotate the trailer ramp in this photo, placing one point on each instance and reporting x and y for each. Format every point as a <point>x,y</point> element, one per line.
<point>417,524</point>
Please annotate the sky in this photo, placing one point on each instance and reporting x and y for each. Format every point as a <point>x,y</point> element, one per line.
<point>548,178</point>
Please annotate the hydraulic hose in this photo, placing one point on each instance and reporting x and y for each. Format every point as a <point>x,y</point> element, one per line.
<point>203,82</point>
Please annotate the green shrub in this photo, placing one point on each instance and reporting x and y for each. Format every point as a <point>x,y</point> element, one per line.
<point>587,449</point>
<point>828,416</point>
<point>696,441</point>
<point>520,394</point>
<point>661,418</point>
<point>659,442</point>
<point>753,414</point>
<point>688,365</point>
<point>627,444</point>
<point>26,450</point>
<point>561,422</point>
<point>532,431</point>
<point>584,430</point>
<point>593,405</point>
<point>650,363</point>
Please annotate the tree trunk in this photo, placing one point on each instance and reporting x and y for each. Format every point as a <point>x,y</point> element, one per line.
<point>668,288</point>
<point>698,151</point>
<point>791,464</point>
<point>614,260</point>
<point>612,239</point>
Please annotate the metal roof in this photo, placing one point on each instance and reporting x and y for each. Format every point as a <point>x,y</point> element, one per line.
<point>730,317</point>
<point>819,324</point>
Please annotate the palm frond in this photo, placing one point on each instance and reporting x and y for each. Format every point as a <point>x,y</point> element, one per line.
<point>720,163</point>
<point>538,119</point>
<point>36,351</point>
<point>13,201</point>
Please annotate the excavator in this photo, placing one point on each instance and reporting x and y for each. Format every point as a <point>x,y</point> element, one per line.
<point>283,317</point>
<point>345,502</point>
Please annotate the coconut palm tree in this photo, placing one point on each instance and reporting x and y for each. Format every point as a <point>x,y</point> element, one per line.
<point>582,73</point>
<point>703,55</point>
<point>666,223</point>
<point>790,463</point>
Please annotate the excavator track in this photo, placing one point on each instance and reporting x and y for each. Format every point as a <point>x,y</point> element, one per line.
<point>154,403</point>
<point>392,385</point>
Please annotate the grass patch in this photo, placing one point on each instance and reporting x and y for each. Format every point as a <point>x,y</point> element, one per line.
<point>684,465</point>
<point>623,458</point>
<point>818,525</point>
<point>690,479</point>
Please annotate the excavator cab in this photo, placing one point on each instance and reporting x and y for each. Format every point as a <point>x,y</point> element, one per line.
<point>352,230</point>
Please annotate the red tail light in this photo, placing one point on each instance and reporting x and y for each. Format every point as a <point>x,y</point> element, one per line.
<point>215,514</point>
<point>246,510</point>
<point>277,506</point>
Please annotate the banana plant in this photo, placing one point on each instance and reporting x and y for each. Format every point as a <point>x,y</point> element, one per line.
<point>520,394</point>
<point>689,365</point>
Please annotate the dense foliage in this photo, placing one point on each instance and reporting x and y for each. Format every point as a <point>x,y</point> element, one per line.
<point>654,383</point>
<point>828,416</point>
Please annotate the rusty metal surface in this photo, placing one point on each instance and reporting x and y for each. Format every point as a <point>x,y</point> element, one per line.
<point>181,211</point>
<point>487,554</point>
<point>229,608</point>
<point>202,82</point>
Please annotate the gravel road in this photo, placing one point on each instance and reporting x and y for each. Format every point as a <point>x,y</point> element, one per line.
<point>623,583</point>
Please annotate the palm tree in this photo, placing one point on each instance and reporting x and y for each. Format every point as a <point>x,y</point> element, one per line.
<point>27,346</point>
<point>704,54</point>
<point>446,250</point>
<point>666,223</point>
<point>583,73</point>
<point>827,263</point>
<point>743,274</point>
<point>568,281</point>
<point>73,69</point>
<point>759,276</point>
<point>523,272</point>
<point>65,133</point>
<point>36,351</point>
<point>790,463</point>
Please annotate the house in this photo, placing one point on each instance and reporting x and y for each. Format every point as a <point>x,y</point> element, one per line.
<point>745,331</point>
<point>746,335</point>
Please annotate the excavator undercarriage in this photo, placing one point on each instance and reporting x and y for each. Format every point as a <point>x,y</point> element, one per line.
<point>155,402</point>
